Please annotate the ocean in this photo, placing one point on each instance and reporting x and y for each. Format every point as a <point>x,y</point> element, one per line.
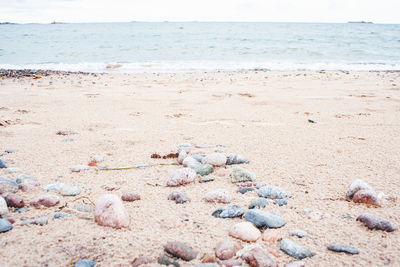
<point>200,46</point>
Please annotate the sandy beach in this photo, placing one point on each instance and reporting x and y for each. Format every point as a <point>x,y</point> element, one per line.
<point>311,133</point>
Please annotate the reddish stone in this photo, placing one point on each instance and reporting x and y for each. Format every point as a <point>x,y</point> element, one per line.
<point>130,197</point>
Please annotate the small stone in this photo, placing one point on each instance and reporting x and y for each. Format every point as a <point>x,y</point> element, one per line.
<point>215,159</point>
<point>14,200</point>
<point>245,231</point>
<point>273,192</point>
<point>10,150</point>
<point>295,250</point>
<point>65,132</point>
<point>69,190</point>
<point>82,207</point>
<point>208,257</point>
<point>296,264</point>
<point>13,170</point>
<point>244,190</point>
<point>235,159</point>
<point>271,235</point>
<point>202,169</point>
<point>8,186</point>
<point>258,203</point>
<point>230,263</point>
<point>264,219</point>
<point>179,197</point>
<point>3,206</point>
<point>280,202</point>
<point>259,185</point>
<point>2,164</point>
<point>172,223</point>
<point>241,175</point>
<point>181,177</point>
<point>167,260</point>
<point>84,263</point>
<point>185,146</point>
<point>181,156</point>
<point>375,222</point>
<point>79,168</point>
<point>180,250</point>
<point>53,187</point>
<point>129,197</point>
<point>5,225</point>
<point>47,200</point>
<point>228,212</point>
<point>111,187</point>
<point>343,248</point>
<point>96,159</point>
<point>366,197</point>
<point>356,186</point>
<point>259,257</point>
<point>299,233</point>
<point>59,215</point>
<point>21,210</point>
<point>206,180</point>
<point>37,221</point>
<point>111,212</point>
<point>315,215</point>
<point>198,157</point>
<point>22,178</point>
<point>189,161</point>
<point>244,184</point>
<point>218,196</point>
<point>202,145</point>
<point>207,264</point>
<point>227,249</point>
<point>141,260</point>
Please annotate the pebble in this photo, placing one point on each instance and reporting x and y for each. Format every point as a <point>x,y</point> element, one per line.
<point>180,250</point>
<point>258,203</point>
<point>189,161</point>
<point>259,185</point>
<point>198,157</point>
<point>13,170</point>
<point>228,212</point>
<point>245,231</point>
<point>8,186</point>
<point>375,222</point>
<point>315,215</point>
<point>37,221</point>
<point>130,197</point>
<point>69,190</point>
<point>53,187</point>
<point>241,175</point>
<point>235,159</point>
<point>179,197</point>
<point>244,184</point>
<point>207,264</point>
<point>259,257</point>
<point>218,196</point>
<point>84,263</point>
<point>206,180</point>
<point>5,225</point>
<point>264,219</point>
<point>96,158</point>
<point>14,200</point>
<point>21,210</point>
<point>140,261</point>
<point>280,202</point>
<point>78,168</point>
<point>295,250</point>
<point>244,190</point>
<point>202,169</point>
<point>272,235</point>
<point>110,212</point>
<point>215,159</point>
<point>167,260</point>
<point>2,164</point>
<point>366,197</point>
<point>82,207</point>
<point>343,248</point>
<point>208,257</point>
<point>65,132</point>
<point>22,178</point>
<point>273,192</point>
<point>227,249</point>
<point>47,200</point>
<point>181,177</point>
<point>3,206</point>
<point>59,215</point>
<point>299,233</point>
<point>296,264</point>
<point>181,156</point>
<point>10,150</point>
<point>230,263</point>
<point>356,186</point>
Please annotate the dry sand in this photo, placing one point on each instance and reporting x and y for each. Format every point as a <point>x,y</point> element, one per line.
<point>261,115</point>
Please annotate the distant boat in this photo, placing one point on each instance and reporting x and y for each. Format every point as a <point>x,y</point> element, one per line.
<point>7,23</point>
<point>361,21</point>
<point>57,22</point>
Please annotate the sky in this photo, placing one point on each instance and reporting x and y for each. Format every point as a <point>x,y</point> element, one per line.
<point>45,11</point>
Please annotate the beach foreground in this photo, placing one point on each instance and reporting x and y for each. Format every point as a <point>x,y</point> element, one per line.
<point>309,133</point>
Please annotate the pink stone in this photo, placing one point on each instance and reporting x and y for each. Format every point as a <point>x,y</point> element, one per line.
<point>230,263</point>
<point>189,161</point>
<point>47,200</point>
<point>181,177</point>
<point>218,196</point>
<point>142,260</point>
<point>28,185</point>
<point>182,155</point>
<point>130,197</point>
<point>111,212</point>
<point>215,159</point>
<point>366,197</point>
<point>227,249</point>
<point>271,235</point>
<point>14,200</point>
<point>245,231</point>
<point>260,258</point>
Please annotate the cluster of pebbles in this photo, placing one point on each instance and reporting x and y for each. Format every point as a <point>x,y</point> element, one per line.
<point>109,211</point>
<point>17,74</point>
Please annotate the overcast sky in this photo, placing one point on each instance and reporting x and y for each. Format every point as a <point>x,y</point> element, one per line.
<point>44,11</point>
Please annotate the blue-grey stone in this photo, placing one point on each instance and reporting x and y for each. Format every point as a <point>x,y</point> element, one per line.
<point>179,197</point>
<point>299,233</point>
<point>258,203</point>
<point>258,185</point>
<point>82,207</point>
<point>24,177</point>
<point>206,179</point>
<point>69,190</point>
<point>10,150</point>
<point>167,260</point>
<point>280,202</point>
<point>241,175</point>
<point>202,169</point>
<point>53,187</point>
<point>8,186</point>
<point>295,250</point>
<point>38,221</point>
<point>230,211</point>
<point>5,225</point>
<point>2,164</point>
<point>273,192</point>
<point>198,157</point>
<point>21,210</point>
<point>244,190</point>
<point>343,248</point>
<point>264,219</point>
<point>235,159</point>
<point>59,215</point>
<point>84,263</point>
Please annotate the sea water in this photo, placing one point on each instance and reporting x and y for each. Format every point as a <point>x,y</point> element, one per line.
<point>200,46</point>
